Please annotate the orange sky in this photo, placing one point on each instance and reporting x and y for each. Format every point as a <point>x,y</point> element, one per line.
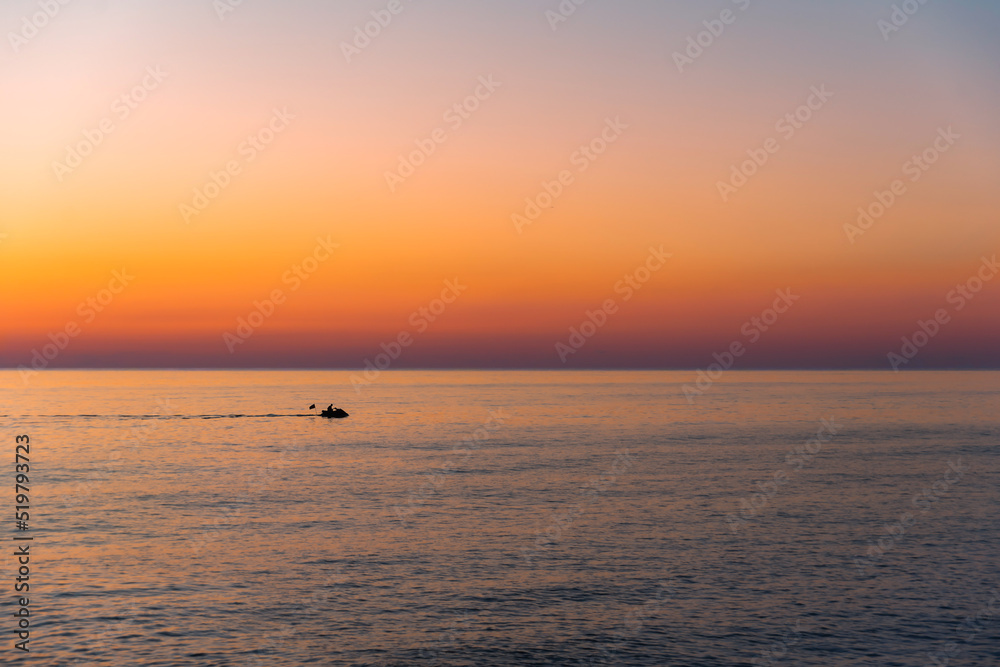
<point>183,90</point>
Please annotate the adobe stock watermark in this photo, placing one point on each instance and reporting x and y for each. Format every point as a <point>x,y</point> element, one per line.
<point>447,639</point>
<point>139,433</point>
<point>417,497</point>
<point>364,34</point>
<point>796,460</point>
<point>714,29</point>
<point>752,329</point>
<point>247,152</point>
<point>32,25</point>
<point>232,518</point>
<point>421,319</point>
<point>972,626</point>
<point>779,650</point>
<point>121,109</point>
<point>899,17</point>
<point>914,168</point>
<point>257,480</point>
<point>88,310</point>
<point>454,117</point>
<point>924,501</point>
<point>787,126</point>
<point>958,298</point>
<point>225,7</point>
<point>562,13</point>
<point>561,522</point>
<point>293,278</point>
<point>631,282</point>
<point>281,642</point>
<point>633,624</point>
<point>582,159</point>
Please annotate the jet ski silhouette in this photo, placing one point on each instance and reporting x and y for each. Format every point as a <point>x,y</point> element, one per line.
<point>331,412</point>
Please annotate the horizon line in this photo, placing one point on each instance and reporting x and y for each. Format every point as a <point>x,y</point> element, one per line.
<point>506,368</point>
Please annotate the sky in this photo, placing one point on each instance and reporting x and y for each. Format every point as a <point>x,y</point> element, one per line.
<point>629,184</point>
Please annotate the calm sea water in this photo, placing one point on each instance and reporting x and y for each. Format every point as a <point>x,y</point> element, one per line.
<point>510,518</point>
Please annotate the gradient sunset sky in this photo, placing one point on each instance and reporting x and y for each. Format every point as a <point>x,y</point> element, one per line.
<point>345,120</point>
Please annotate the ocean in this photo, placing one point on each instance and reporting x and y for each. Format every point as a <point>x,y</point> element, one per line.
<point>506,518</point>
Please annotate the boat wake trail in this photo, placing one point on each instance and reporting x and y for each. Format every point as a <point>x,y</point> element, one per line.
<point>160,417</point>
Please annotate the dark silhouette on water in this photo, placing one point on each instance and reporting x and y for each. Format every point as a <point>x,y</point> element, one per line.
<point>331,412</point>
